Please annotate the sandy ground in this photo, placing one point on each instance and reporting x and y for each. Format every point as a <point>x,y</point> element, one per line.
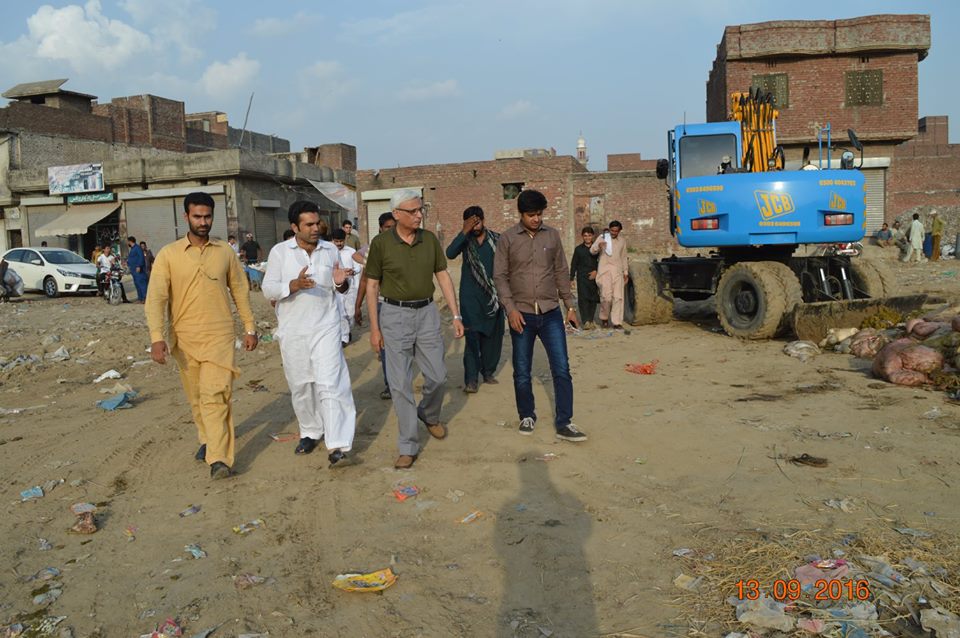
<point>579,545</point>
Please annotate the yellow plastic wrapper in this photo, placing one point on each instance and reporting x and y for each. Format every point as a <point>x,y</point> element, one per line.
<point>374,581</point>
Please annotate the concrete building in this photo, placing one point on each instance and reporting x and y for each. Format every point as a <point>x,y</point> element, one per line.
<point>860,73</point>
<point>147,153</point>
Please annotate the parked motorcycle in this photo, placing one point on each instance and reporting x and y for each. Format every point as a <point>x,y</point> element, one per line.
<point>114,287</point>
<point>849,249</point>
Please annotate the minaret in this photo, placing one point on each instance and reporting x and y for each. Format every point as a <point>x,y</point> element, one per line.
<point>582,150</point>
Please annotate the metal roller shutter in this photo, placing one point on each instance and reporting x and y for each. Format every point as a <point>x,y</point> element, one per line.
<point>152,220</point>
<point>37,216</point>
<point>875,182</point>
<point>265,228</point>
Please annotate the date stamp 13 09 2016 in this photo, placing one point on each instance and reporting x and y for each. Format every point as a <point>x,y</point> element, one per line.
<point>790,590</point>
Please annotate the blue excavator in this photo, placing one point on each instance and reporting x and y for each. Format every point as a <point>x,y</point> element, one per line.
<point>729,192</point>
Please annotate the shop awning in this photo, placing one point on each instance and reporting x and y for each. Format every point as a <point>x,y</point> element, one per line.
<point>76,220</point>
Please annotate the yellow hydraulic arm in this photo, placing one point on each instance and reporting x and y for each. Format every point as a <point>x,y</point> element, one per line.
<point>757,119</point>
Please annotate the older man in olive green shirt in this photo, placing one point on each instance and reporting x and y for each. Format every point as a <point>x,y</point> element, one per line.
<point>401,266</point>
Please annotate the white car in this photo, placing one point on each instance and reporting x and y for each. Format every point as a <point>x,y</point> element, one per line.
<point>52,270</point>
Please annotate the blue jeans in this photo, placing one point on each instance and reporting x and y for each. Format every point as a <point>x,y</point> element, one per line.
<point>552,332</point>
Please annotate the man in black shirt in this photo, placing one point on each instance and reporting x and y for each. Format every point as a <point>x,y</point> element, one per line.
<point>583,268</point>
<point>250,250</point>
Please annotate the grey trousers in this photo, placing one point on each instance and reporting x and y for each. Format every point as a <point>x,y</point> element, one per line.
<point>413,334</point>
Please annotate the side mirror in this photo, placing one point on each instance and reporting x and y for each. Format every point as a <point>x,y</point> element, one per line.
<point>855,140</point>
<point>806,156</point>
<point>663,168</point>
<point>36,262</point>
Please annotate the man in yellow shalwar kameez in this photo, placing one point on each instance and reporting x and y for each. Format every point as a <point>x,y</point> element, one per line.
<point>192,282</point>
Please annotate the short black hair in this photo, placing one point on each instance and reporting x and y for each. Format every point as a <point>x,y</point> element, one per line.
<point>132,238</point>
<point>531,201</point>
<point>384,218</point>
<point>588,229</point>
<point>229,237</point>
<point>338,233</point>
<point>471,211</point>
<point>301,206</point>
<point>916,215</point>
<point>616,224</point>
<point>143,243</point>
<point>288,233</point>
<point>198,199</point>
<point>345,222</point>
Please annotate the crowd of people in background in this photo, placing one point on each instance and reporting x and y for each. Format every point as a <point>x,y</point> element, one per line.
<point>911,242</point>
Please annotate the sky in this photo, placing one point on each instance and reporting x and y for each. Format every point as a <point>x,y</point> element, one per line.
<point>423,81</point>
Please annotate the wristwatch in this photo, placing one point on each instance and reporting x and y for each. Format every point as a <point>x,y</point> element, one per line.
<point>457,318</point>
<point>251,334</point>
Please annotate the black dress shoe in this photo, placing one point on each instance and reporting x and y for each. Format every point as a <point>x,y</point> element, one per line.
<point>220,470</point>
<point>338,456</point>
<point>305,446</point>
<point>201,454</point>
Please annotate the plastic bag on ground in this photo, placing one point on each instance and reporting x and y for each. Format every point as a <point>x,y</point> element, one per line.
<point>803,350</point>
<point>764,612</point>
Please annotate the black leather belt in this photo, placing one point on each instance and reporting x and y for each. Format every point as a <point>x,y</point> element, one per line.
<point>420,303</point>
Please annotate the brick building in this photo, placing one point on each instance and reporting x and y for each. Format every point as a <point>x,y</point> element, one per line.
<point>151,153</point>
<point>860,73</point>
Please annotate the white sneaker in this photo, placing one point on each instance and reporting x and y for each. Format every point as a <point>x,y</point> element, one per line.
<point>526,426</point>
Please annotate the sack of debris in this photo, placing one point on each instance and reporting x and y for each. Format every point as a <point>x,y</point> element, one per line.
<point>906,362</point>
<point>867,343</point>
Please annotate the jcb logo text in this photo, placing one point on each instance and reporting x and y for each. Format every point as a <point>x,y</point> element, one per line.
<point>773,204</point>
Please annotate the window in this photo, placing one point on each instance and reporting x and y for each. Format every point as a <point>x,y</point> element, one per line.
<point>15,255</point>
<point>512,190</point>
<point>701,154</point>
<point>864,88</point>
<point>776,85</point>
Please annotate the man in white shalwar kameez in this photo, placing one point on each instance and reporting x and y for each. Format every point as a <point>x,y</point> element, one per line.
<point>303,275</point>
<point>348,299</point>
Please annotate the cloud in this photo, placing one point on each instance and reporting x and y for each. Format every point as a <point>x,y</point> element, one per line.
<point>230,77</point>
<point>422,93</point>
<point>406,25</point>
<point>324,83</point>
<point>517,109</point>
<point>83,37</point>
<point>278,27</point>
<point>174,22</point>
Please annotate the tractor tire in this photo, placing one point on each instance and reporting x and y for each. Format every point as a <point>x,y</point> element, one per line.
<point>871,278</point>
<point>793,292</point>
<point>751,300</point>
<point>652,304</point>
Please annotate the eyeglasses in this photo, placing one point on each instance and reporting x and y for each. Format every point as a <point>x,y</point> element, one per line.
<point>411,211</point>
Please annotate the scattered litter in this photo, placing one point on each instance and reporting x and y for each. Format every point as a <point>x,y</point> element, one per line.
<point>253,636</point>
<point>44,545</point>
<point>195,551</point>
<point>83,508</point>
<point>916,533</point>
<point>640,460</point>
<point>169,629</point>
<point>806,459</point>
<point>642,368</point>
<point>109,374</point>
<point>90,344</point>
<point>266,338</point>
<point>47,573</point>
<point>121,401</point>
<point>455,495</point>
<point>190,511</point>
<point>374,581</point>
<point>29,494</point>
<point>49,340</point>
<point>803,350</point>
<point>256,386</point>
<point>546,633</point>
<point>683,552</point>
<point>48,596</point>
<point>131,533</point>
<point>764,612</point>
<point>206,632</point>
<point>688,582</point>
<point>831,569</point>
<point>51,485</point>
<point>86,524</point>
<point>77,482</point>
<point>61,354</point>
<point>943,623</point>
<point>549,456</point>
<point>117,388</point>
<point>405,492</point>
<point>283,437</point>
<point>246,581</point>
<point>933,413</point>
<point>813,625</point>
<point>246,528</point>
<point>846,505</point>
<point>471,517</point>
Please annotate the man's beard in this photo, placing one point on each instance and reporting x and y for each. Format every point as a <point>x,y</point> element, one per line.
<point>200,231</point>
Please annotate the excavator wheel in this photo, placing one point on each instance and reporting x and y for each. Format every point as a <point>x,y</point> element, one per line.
<point>651,302</point>
<point>871,278</point>
<point>752,302</point>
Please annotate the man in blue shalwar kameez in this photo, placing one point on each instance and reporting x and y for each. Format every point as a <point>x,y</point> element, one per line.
<point>137,264</point>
